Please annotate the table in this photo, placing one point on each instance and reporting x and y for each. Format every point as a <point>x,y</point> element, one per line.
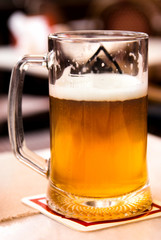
<point>10,55</point>
<point>39,227</point>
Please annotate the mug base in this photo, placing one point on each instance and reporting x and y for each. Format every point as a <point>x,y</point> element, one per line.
<point>99,209</point>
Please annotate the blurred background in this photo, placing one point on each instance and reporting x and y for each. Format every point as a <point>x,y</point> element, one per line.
<point>24,27</point>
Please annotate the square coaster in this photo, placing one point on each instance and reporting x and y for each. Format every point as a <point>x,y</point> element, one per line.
<point>39,202</point>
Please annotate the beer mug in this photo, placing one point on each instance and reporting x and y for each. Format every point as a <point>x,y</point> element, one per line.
<point>98,82</point>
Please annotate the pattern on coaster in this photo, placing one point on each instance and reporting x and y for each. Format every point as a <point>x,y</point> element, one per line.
<point>39,202</point>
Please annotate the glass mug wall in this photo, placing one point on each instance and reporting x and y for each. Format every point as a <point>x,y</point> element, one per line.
<point>98,124</point>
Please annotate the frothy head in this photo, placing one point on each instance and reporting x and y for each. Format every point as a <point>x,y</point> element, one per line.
<point>98,87</point>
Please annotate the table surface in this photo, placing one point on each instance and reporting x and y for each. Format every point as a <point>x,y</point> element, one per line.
<point>41,227</point>
<point>10,55</point>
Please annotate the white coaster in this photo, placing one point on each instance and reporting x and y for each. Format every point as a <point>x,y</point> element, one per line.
<point>39,202</point>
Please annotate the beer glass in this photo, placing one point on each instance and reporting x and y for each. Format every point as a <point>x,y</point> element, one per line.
<point>98,83</point>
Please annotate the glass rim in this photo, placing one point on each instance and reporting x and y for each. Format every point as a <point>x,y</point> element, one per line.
<point>98,35</point>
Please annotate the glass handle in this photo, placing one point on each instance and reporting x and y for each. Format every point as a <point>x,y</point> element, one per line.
<point>15,123</point>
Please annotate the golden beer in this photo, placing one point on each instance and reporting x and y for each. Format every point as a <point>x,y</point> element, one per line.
<point>98,147</point>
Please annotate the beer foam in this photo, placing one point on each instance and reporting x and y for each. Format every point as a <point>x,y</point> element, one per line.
<point>98,87</point>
